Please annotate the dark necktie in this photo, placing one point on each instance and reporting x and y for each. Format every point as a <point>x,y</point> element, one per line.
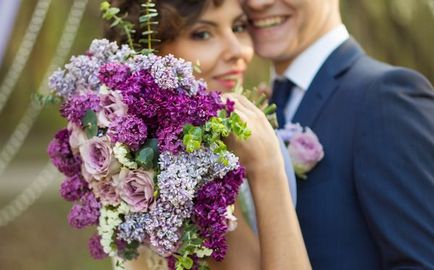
<point>282,89</point>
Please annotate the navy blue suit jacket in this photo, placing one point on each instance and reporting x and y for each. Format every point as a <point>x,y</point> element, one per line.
<point>369,204</point>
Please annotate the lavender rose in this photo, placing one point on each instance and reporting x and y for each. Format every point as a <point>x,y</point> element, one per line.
<point>76,138</point>
<point>98,158</point>
<point>136,188</point>
<point>305,151</point>
<point>112,108</point>
<point>106,191</point>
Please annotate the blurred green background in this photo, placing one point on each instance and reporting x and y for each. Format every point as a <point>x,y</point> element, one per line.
<point>400,32</point>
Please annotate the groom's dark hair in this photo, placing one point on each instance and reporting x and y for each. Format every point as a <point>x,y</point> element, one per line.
<point>173,17</point>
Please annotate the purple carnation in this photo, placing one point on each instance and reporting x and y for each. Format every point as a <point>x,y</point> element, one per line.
<point>95,248</point>
<point>210,206</point>
<point>84,213</point>
<point>129,130</point>
<point>76,107</point>
<point>61,155</point>
<point>73,188</point>
<point>114,75</point>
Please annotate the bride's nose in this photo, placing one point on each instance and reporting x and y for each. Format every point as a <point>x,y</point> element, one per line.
<point>235,49</point>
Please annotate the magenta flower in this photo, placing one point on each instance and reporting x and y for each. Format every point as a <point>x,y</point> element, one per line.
<point>61,155</point>
<point>129,130</point>
<point>73,188</point>
<point>85,212</point>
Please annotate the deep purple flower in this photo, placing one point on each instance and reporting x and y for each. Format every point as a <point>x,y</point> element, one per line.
<point>76,107</point>
<point>230,106</point>
<point>114,75</point>
<point>210,213</point>
<point>170,139</point>
<point>85,212</point>
<point>61,155</point>
<point>95,248</point>
<point>129,130</point>
<point>73,188</point>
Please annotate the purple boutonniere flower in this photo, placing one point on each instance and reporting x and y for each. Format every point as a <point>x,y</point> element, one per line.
<point>304,148</point>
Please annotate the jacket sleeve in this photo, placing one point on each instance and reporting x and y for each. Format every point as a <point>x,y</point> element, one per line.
<point>394,168</point>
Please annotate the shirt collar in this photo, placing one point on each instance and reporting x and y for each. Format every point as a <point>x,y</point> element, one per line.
<point>303,69</point>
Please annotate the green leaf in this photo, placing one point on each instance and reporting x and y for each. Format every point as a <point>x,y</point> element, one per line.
<point>222,114</point>
<point>89,122</point>
<point>145,157</point>
<point>187,262</point>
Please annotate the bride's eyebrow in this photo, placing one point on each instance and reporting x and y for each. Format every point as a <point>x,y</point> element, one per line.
<point>210,23</point>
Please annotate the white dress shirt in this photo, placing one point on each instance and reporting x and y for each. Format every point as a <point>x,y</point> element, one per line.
<point>304,68</point>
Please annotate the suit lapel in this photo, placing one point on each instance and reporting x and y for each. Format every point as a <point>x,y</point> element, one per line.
<point>326,82</point>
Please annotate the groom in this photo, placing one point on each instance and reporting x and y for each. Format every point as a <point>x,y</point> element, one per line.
<point>369,204</point>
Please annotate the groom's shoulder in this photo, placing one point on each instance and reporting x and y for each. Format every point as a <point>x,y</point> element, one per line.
<point>370,74</point>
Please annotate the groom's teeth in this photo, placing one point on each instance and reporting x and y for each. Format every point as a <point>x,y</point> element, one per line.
<point>268,22</point>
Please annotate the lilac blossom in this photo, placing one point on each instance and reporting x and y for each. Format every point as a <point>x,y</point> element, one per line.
<point>76,107</point>
<point>61,155</point>
<point>129,130</point>
<point>95,248</point>
<point>210,210</point>
<point>85,212</point>
<point>73,188</point>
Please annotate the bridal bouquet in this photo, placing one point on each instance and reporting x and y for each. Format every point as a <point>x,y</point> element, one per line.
<point>143,155</point>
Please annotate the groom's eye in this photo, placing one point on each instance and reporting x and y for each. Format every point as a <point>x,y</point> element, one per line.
<point>200,35</point>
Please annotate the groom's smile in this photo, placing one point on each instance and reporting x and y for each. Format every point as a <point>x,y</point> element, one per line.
<point>268,22</point>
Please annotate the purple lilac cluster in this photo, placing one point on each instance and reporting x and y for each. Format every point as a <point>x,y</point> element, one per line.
<point>210,207</point>
<point>85,212</point>
<point>73,188</point>
<point>61,155</point>
<point>129,130</point>
<point>81,73</point>
<point>76,106</point>
<point>95,248</point>
<point>165,111</point>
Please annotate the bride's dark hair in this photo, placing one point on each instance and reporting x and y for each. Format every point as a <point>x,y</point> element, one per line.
<point>173,17</point>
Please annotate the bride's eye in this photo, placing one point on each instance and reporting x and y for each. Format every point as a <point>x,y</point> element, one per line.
<point>200,35</point>
<point>240,27</point>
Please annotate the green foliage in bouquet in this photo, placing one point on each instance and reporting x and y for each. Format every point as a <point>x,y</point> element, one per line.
<point>147,24</point>
<point>213,131</point>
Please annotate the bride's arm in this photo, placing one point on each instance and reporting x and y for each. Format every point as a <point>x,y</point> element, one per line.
<point>280,239</point>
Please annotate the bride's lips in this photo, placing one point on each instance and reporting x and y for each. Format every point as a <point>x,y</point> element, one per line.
<point>230,79</point>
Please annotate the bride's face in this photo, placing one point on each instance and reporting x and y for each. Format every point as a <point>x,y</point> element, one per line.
<point>219,42</point>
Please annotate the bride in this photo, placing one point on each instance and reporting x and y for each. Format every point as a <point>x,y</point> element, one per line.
<point>214,33</point>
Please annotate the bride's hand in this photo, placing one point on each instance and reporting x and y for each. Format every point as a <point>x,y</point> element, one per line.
<point>261,150</point>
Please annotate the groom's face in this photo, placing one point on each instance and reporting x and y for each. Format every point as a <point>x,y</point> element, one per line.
<point>282,29</point>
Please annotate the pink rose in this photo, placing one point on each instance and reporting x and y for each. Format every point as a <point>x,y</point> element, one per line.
<point>136,188</point>
<point>106,191</point>
<point>305,151</point>
<point>98,158</point>
<point>112,108</point>
<point>77,137</point>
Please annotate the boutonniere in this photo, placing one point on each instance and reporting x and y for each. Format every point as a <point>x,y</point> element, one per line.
<point>304,148</point>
